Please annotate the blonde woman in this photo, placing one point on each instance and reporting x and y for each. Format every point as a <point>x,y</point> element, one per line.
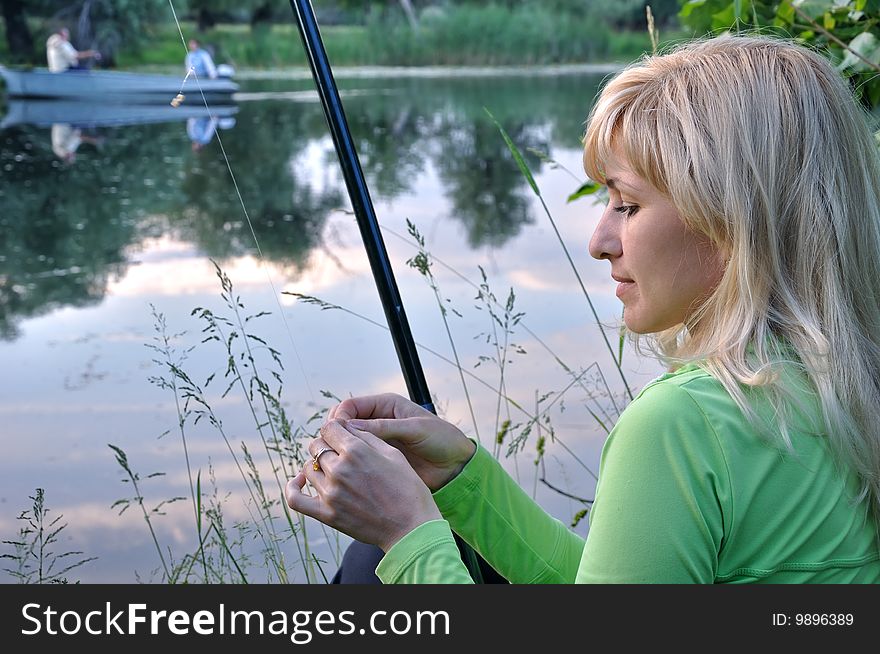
<point>743,229</point>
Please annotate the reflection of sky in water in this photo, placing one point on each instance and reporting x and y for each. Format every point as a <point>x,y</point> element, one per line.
<point>77,379</point>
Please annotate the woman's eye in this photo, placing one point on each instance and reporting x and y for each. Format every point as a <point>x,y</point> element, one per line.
<point>627,209</point>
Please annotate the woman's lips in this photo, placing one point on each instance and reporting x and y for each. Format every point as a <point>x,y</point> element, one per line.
<point>623,287</point>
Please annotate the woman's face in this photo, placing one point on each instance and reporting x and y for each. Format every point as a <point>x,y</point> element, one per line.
<point>663,268</point>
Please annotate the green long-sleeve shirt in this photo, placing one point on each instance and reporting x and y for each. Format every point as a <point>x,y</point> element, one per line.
<point>688,492</point>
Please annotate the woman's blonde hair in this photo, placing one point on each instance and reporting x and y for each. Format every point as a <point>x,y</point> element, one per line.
<point>760,145</point>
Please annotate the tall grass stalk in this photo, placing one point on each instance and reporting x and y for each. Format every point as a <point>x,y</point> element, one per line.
<point>221,569</point>
<point>539,447</point>
<point>192,392</point>
<point>215,330</point>
<point>165,348</point>
<point>422,263</point>
<point>507,323</point>
<point>133,478</point>
<point>172,361</point>
<point>36,561</point>
<point>244,352</point>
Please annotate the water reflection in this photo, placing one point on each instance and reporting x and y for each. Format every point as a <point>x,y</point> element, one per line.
<point>140,182</point>
<point>201,130</point>
<point>103,112</point>
<point>484,183</point>
<point>66,140</point>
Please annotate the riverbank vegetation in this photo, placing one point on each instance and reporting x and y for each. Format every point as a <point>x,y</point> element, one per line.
<point>257,34</point>
<point>846,31</point>
<point>261,34</point>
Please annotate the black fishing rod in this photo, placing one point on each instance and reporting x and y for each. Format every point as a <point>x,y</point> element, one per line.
<point>383,274</point>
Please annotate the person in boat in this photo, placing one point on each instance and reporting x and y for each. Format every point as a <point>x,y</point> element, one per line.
<point>62,56</point>
<point>743,231</point>
<point>199,61</point>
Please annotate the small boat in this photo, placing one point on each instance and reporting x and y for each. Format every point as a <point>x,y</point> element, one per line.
<point>84,112</point>
<point>109,84</point>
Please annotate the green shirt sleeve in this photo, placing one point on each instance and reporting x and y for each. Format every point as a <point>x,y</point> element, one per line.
<point>493,514</point>
<point>426,555</point>
<point>662,495</point>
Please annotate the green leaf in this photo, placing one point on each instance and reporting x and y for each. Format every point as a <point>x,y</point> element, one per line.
<point>785,12</point>
<point>726,18</point>
<point>689,6</point>
<point>587,188</point>
<point>866,45</point>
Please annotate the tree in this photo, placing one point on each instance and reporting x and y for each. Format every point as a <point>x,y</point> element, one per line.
<point>849,32</point>
<point>18,34</point>
<point>408,8</point>
<point>208,12</point>
<point>99,24</point>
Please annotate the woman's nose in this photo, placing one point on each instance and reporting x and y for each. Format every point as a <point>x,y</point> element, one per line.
<point>605,242</point>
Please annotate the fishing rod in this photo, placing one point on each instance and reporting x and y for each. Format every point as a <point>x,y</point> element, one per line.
<point>380,265</point>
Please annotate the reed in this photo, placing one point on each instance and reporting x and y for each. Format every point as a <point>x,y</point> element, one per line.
<point>253,371</point>
<point>422,263</point>
<point>34,555</point>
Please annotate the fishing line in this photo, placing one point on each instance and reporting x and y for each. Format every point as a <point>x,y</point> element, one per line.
<point>180,97</point>
<point>262,260</point>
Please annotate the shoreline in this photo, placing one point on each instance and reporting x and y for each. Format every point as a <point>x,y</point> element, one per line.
<point>435,71</point>
<point>377,72</point>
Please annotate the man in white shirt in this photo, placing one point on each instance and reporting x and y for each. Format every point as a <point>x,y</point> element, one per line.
<point>199,61</point>
<point>62,55</point>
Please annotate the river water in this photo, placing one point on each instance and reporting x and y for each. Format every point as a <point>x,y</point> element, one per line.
<point>98,250</point>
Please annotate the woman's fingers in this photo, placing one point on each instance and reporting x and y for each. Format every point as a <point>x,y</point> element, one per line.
<point>299,501</point>
<point>402,429</point>
<point>331,414</point>
<point>346,436</point>
<point>370,439</point>
<point>385,405</point>
<point>359,487</point>
<point>355,407</point>
<point>338,437</point>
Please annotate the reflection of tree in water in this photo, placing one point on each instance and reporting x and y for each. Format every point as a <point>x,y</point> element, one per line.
<point>389,132</point>
<point>484,184</point>
<point>286,212</point>
<point>58,246</point>
<point>65,230</point>
<point>411,120</point>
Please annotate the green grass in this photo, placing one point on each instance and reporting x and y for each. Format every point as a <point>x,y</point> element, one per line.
<point>460,42</point>
<point>484,36</point>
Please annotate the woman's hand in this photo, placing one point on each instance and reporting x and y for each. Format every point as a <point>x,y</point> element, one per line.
<point>364,487</point>
<point>435,449</point>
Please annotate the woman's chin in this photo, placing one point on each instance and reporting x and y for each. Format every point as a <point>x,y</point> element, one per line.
<point>639,324</point>
<point>633,326</point>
